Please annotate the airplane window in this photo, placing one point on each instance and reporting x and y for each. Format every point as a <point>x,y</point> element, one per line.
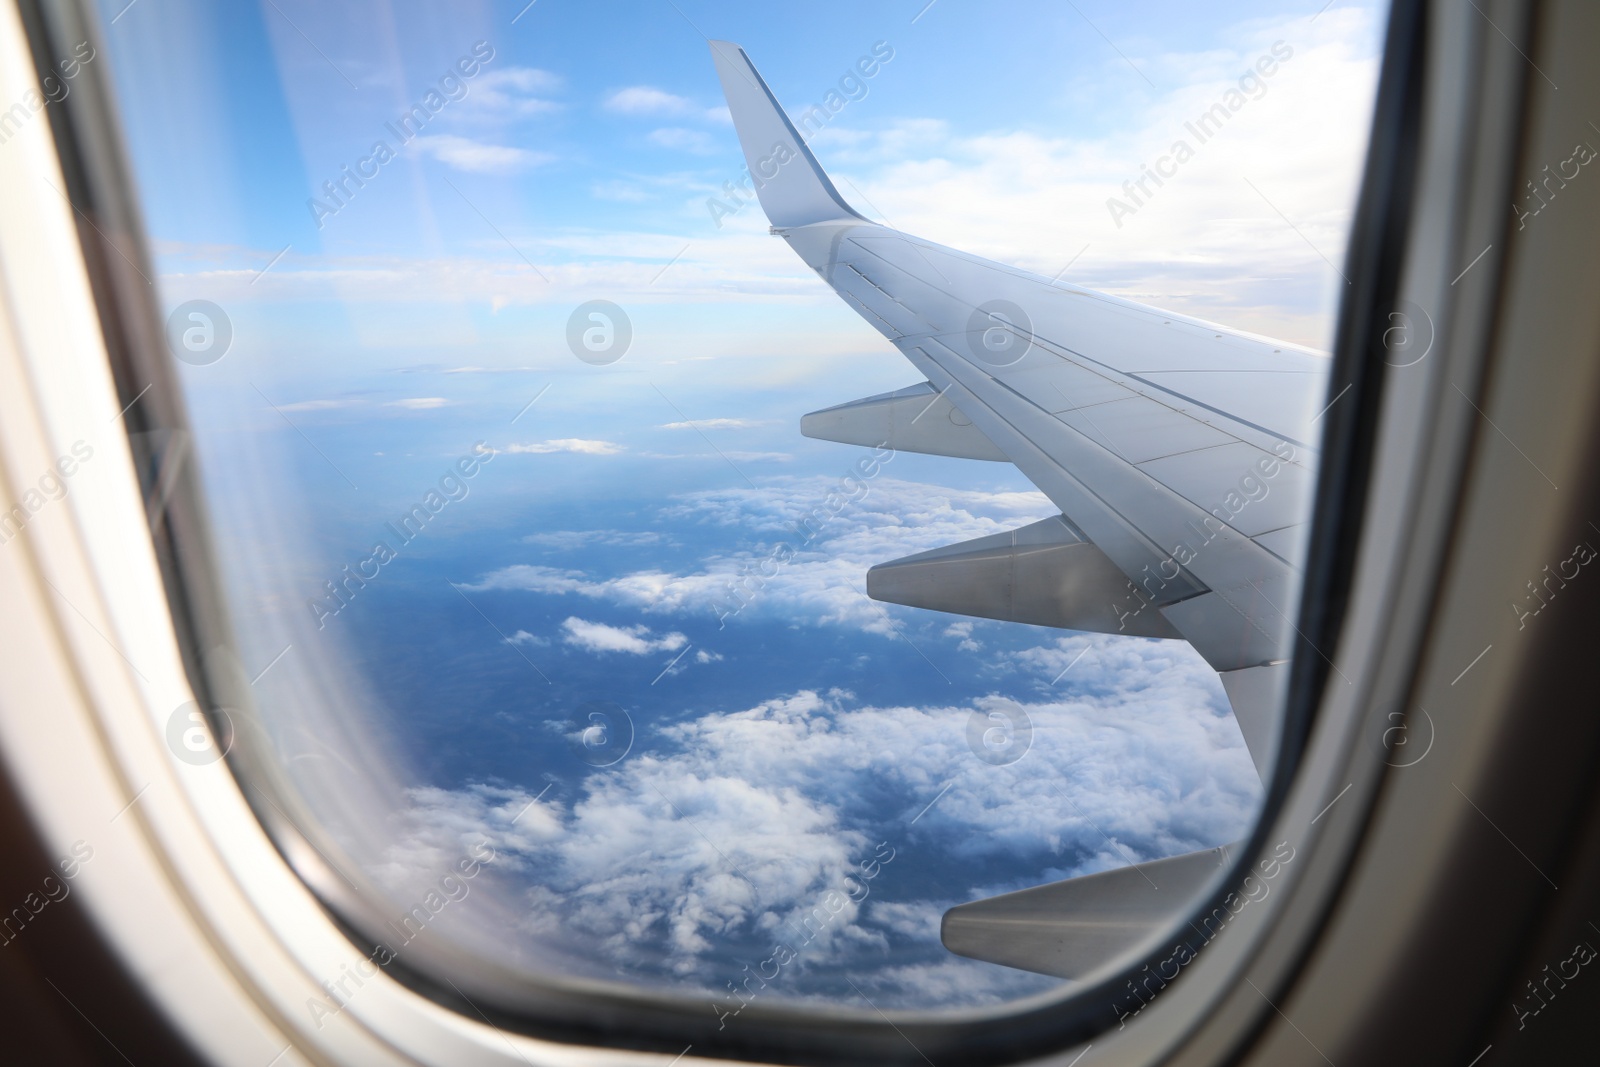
<point>756,507</point>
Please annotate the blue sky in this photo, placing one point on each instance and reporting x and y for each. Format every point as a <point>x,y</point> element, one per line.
<point>587,559</point>
<point>280,113</point>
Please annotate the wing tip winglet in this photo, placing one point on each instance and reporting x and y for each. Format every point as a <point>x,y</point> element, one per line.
<point>793,188</point>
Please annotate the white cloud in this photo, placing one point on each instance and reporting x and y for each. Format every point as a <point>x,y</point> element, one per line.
<point>477,157</point>
<point>729,454</point>
<point>510,92</point>
<point>578,445</point>
<point>317,405</point>
<point>719,267</point>
<point>420,403</point>
<point>820,586</point>
<point>523,637</point>
<point>896,140</point>
<point>647,100</point>
<point>634,640</point>
<point>534,579</point>
<point>949,981</point>
<point>839,139</point>
<point>638,188</point>
<point>623,192</point>
<point>1205,244</point>
<point>1034,199</point>
<point>683,140</point>
<point>566,540</point>
<point>444,825</point>
<point>720,833</point>
<point>714,424</point>
<point>963,631</point>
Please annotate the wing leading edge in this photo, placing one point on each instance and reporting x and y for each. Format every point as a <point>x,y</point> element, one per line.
<point>1178,451</point>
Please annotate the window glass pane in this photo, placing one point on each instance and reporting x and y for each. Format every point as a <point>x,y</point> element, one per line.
<point>496,374</point>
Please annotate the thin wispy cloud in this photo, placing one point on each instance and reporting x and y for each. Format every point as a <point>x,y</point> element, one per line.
<point>577,445</point>
<point>683,140</point>
<point>317,405</point>
<point>478,157</point>
<point>514,92</point>
<point>647,100</point>
<point>566,540</point>
<point>714,424</point>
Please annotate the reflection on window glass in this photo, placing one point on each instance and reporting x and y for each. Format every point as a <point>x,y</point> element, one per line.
<point>496,353</point>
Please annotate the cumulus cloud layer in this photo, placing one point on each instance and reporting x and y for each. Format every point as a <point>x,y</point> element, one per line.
<point>823,584</point>
<point>718,836</point>
<point>721,832</point>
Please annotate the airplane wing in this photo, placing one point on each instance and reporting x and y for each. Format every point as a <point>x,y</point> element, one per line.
<point>1177,450</point>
